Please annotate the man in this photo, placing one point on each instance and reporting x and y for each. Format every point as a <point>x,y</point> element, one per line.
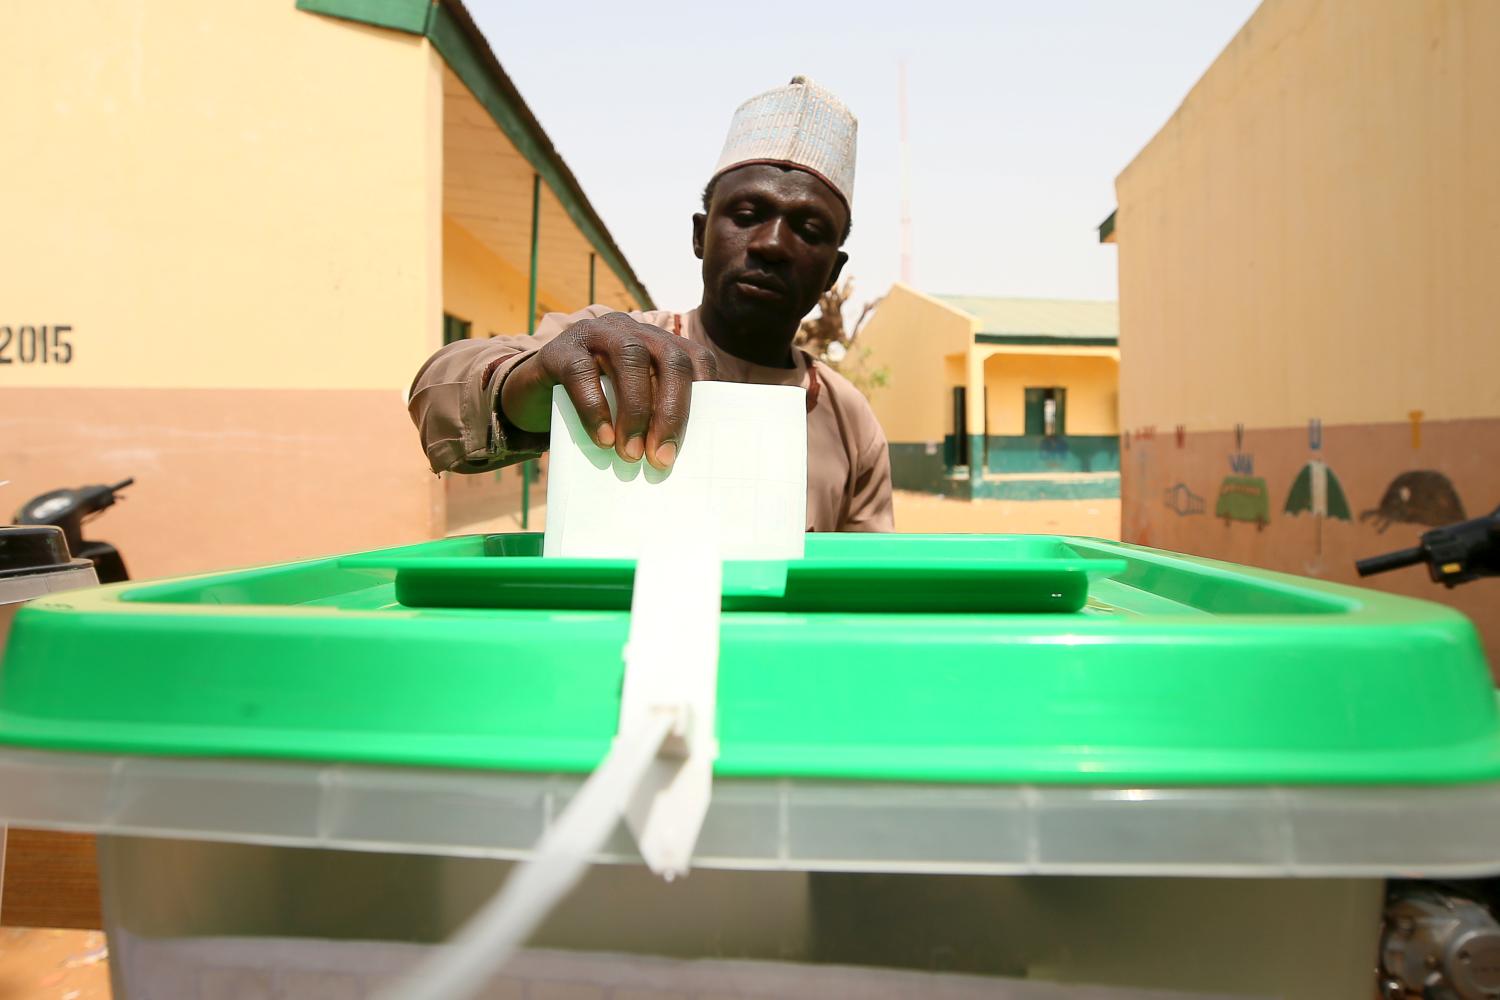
<point>775,213</point>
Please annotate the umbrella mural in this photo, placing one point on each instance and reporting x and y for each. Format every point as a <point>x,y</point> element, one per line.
<point>1317,491</point>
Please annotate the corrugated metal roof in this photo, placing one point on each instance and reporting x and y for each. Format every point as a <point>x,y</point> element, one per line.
<point>1061,318</point>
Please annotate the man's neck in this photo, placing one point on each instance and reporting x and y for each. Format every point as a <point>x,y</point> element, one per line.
<point>764,346</point>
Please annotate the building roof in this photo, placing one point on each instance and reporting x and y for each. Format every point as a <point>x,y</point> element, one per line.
<point>1107,228</point>
<point>1040,321</point>
<point>450,29</point>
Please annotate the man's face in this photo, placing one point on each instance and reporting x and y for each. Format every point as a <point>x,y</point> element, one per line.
<point>769,244</point>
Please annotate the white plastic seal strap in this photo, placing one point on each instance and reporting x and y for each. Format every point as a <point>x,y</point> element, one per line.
<point>658,774</point>
<point>672,668</point>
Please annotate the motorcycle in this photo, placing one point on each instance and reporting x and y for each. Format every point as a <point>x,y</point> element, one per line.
<point>1454,553</point>
<point>1441,939</point>
<point>68,509</point>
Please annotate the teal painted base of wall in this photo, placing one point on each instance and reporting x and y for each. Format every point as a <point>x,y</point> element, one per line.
<point>1068,453</point>
<point>1045,488</point>
<point>919,467</point>
<point>1008,454</point>
<point>924,468</point>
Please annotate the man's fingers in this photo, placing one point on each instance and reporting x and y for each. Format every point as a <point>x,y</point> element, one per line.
<point>652,374</point>
<point>705,365</point>
<point>580,377</point>
<point>675,369</point>
<point>627,361</point>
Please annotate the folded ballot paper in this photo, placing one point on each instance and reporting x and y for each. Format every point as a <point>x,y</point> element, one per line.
<point>740,476</point>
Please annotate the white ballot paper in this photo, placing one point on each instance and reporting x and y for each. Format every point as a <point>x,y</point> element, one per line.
<point>740,475</point>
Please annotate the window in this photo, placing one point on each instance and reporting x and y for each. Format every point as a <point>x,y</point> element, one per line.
<point>1046,411</point>
<point>455,329</point>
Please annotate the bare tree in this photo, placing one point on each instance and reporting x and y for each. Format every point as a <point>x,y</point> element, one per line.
<point>828,338</point>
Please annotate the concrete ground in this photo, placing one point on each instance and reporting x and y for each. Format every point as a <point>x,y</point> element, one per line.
<point>926,513</point>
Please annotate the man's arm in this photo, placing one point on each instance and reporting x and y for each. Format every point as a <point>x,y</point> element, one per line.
<point>870,506</point>
<point>483,404</point>
<point>452,403</point>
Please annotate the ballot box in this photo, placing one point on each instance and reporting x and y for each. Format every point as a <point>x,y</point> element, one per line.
<point>1003,766</point>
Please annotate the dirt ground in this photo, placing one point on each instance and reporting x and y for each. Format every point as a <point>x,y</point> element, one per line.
<point>923,512</point>
<point>52,965</point>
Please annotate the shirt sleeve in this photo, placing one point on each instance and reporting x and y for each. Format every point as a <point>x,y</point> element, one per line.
<point>454,399</point>
<point>870,501</point>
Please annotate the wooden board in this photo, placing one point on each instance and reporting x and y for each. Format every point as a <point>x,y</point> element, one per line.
<point>50,880</point>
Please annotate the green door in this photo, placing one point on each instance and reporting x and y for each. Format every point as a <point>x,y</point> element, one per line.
<point>960,425</point>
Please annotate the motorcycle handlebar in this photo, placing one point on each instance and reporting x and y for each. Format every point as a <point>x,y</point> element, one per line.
<point>1389,561</point>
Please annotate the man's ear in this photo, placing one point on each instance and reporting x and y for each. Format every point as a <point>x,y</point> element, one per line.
<point>838,266</point>
<point>700,222</point>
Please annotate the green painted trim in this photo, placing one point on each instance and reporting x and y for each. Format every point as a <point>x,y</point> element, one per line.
<point>462,45</point>
<point>978,454</point>
<point>409,16</point>
<point>536,243</point>
<point>1044,340</point>
<point>1062,488</point>
<point>1066,453</point>
<point>1107,227</point>
<point>926,467</point>
<point>914,467</point>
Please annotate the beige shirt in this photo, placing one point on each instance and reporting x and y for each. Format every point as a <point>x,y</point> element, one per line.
<point>455,395</point>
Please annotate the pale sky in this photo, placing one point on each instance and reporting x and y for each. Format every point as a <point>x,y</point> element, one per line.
<point>1021,116</point>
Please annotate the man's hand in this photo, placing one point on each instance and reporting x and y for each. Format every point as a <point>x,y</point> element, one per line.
<point>651,370</point>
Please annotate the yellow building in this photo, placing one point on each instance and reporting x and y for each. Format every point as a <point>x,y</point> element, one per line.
<point>997,397</point>
<point>236,229</point>
<point>1309,257</point>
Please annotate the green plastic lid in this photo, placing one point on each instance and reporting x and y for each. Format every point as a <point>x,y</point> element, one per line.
<point>886,657</point>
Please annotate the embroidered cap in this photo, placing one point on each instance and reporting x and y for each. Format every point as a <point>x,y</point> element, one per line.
<point>802,125</point>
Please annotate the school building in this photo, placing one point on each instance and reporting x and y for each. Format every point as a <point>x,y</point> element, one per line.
<point>234,232</point>
<point>1308,252</point>
<point>998,398</point>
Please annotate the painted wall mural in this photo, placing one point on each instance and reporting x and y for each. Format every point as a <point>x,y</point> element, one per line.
<point>1141,469</point>
<point>1331,494</point>
<point>1423,496</point>
<point>1244,498</point>
<point>1316,491</point>
<point>1243,495</point>
<point>1182,501</point>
